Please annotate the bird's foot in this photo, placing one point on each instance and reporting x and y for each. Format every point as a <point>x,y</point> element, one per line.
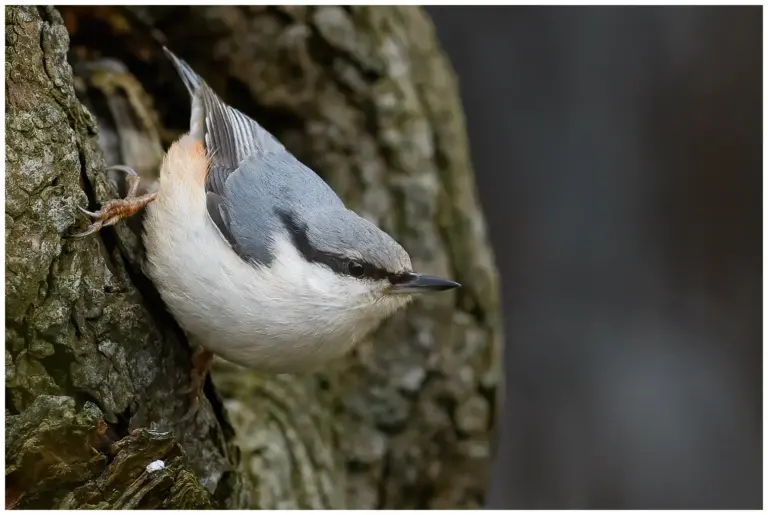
<point>201,364</point>
<point>115,210</point>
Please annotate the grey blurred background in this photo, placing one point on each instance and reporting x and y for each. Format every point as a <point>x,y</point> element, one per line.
<point>618,153</point>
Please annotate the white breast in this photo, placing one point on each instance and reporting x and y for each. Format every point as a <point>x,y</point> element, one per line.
<point>291,316</point>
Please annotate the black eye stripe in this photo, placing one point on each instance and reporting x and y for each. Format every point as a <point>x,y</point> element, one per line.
<point>399,278</point>
<point>339,264</point>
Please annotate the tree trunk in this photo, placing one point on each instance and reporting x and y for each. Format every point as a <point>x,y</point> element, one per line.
<point>95,366</point>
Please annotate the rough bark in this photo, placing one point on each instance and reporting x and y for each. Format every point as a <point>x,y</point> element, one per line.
<point>94,364</point>
<point>88,361</point>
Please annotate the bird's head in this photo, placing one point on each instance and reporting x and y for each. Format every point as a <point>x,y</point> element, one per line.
<point>359,267</point>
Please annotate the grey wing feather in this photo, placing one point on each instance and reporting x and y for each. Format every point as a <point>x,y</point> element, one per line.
<point>216,178</point>
<point>217,211</point>
<point>261,187</point>
<point>232,134</point>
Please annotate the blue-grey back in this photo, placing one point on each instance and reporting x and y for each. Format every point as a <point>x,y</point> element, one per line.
<point>250,199</point>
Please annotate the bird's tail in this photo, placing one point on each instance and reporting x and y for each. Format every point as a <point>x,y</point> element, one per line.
<point>191,80</point>
<point>228,134</point>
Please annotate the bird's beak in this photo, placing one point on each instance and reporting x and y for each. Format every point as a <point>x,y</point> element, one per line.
<point>419,283</point>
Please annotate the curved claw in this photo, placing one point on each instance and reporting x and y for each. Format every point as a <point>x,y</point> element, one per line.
<point>192,412</point>
<point>187,392</point>
<point>193,393</point>
<point>122,168</point>
<point>92,229</point>
<point>92,214</point>
<point>111,221</point>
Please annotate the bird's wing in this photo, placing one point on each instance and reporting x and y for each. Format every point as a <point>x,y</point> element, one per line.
<point>230,138</point>
<point>255,195</point>
<point>251,175</point>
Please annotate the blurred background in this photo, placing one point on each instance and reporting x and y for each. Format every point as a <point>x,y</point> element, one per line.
<point>618,156</point>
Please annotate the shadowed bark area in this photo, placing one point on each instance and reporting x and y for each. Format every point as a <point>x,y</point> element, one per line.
<point>362,95</point>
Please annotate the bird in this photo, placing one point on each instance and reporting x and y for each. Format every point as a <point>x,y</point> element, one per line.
<point>256,257</point>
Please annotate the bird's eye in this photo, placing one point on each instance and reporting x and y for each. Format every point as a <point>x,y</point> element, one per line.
<point>355,269</point>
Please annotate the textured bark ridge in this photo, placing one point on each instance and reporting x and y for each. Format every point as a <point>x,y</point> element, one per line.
<point>95,365</point>
<point>87,360</point>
